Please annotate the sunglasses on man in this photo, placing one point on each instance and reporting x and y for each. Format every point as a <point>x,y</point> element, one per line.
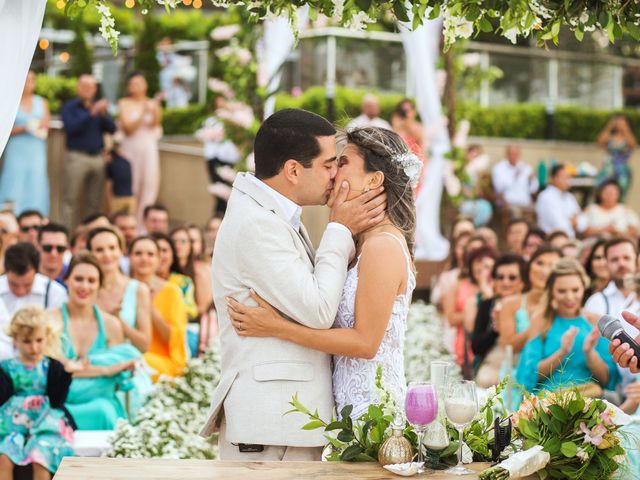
<point>58,248</point>
<point>27,228</point>
<point>511,278</point>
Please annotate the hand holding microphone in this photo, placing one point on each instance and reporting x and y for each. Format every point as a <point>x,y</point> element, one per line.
<point>624,348</point>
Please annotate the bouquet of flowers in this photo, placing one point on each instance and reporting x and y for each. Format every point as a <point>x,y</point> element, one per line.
<point>581,436</point>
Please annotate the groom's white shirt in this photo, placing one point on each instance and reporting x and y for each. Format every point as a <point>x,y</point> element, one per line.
<point>258,247</point>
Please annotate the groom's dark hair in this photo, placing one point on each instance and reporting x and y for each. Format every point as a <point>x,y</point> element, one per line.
<point>288,134</point>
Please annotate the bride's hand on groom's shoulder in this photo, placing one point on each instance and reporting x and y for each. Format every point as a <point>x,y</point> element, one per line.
<point>260,321</point>
<point>360,213</point>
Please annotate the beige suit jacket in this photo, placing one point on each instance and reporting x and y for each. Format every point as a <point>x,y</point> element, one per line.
<point>257,248</point>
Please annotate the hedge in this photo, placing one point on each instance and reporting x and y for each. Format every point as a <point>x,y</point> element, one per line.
<point>526,121</point>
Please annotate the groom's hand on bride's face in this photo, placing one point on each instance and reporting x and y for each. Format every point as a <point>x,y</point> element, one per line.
<point>360,213</point>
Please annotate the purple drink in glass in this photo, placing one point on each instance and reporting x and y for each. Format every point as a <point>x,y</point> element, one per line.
<point>421,408</point>
<point>421,404</point>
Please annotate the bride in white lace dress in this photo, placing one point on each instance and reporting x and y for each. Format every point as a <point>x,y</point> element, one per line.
<point>371,319</point>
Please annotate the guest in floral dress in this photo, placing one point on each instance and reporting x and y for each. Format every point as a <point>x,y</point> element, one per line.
<point>35,428</point>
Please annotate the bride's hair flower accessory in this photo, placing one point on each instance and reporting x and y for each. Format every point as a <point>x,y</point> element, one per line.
<point>411,165</point>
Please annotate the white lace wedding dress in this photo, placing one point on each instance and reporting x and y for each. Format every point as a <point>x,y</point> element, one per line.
<point>354,378</point>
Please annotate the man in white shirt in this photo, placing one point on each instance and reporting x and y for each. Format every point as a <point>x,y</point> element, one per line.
<point>556,208</point>
<point>22,284</point>
<point>514,181</point>
<point>370,115</point>
<point>621,255</point>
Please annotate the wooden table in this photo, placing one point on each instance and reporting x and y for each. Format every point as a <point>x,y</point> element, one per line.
<point>76,468</point>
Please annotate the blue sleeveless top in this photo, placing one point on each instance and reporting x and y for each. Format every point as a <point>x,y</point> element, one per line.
<point>99,344</point>
<point>129,304</point>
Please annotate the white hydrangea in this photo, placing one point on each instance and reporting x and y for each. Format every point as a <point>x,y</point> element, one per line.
<point>423,343</point>
<point>168,425</point>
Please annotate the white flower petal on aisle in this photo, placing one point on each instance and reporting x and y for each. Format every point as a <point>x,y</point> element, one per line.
<point>20,23</point>
<point>421,48</point>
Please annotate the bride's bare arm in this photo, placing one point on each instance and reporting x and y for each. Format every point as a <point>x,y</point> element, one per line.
<point>381,272</point>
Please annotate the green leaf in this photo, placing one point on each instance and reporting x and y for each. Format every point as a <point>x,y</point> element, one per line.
<point>634,30</point>
<point>489,417</point>
<point>364,5</point>
<point>375,412</point>
<point>334,426</point>
<point>542,474</point>
<point>576,406</point>
<point>399,11</point>
<point>312,425</point>
<point>485,25</point>
<point>569,449</point>
<point>346,411</point>
<point>473,13</point>
<point>552,445</point>
<point>558,413</point>
<point>346,436</point>
<point>350,453</point>
<point>555,29</point>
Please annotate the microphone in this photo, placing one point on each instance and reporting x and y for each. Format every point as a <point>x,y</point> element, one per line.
<point>611,328</point>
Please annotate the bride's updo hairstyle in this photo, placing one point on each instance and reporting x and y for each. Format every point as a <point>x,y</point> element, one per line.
<point>385,151</point>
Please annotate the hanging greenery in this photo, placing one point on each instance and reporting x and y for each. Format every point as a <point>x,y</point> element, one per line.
<point>542,19</point>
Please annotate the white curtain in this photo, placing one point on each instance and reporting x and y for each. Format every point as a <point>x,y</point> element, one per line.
<point>20,23</point>
<point>422,50</point>
<point>276,44</point>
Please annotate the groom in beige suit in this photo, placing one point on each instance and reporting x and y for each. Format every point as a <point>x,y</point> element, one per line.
<point>262,245</point>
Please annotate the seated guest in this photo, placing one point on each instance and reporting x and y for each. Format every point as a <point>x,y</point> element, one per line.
<point>169,269</point>
<point>449,277</point>
<point>370,115</point>
<point>94,349</point>
<point>609,217</point>
<point>22,284</point>
<point>517,230</point>
<point>556,207</point>
<point>508,279</point>
<point>517,310</point>
<point>167,354</point>
<point>564,347</point>
<point>197,270</point>
<point>8,234</point>
<point>489,236</point>
<point>514,181</point>
<point>596,268</point>
<point>156,219</point>
<point>477,268</point>
<point>533,241</point>
<point>129,301</point>
<point>53,243</point>
<point>213,225</point>
<point>128,226</point>
<point>126,299</point>
<point>571,249</point>
<point>30,222</point>
<point>462,224</point>
<point>476,187</point>
<point>35,428</point>
<point>557,239</point>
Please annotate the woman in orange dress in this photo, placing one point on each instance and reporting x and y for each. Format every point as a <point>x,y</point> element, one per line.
<point>167,354</point>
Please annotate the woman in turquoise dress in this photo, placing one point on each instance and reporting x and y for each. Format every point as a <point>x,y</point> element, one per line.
<point>94,345</point>
<point>130,302</point>
<point>34,426</point>
<point>24,178</point>
<point>564,347</point>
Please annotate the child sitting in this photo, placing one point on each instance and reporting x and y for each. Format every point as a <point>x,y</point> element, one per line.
<point>34,425</point>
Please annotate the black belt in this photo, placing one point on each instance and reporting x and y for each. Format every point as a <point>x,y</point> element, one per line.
<point>88,152</point>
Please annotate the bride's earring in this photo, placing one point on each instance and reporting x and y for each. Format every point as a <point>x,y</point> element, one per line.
<point>365,189</point>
